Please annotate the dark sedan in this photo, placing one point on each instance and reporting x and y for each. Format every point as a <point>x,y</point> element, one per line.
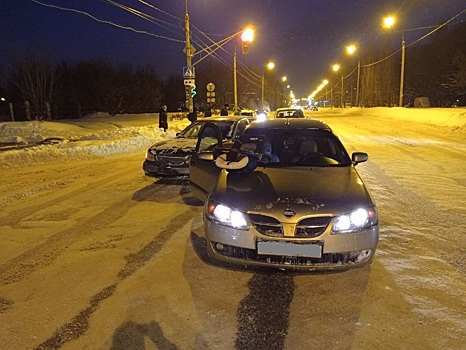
<point>170,158</point>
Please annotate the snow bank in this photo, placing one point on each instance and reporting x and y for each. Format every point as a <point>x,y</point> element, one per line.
<point>454,118</point>
<point>97,135</point>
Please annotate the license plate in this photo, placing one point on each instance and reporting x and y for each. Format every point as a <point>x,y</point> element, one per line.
<point>307,250</point>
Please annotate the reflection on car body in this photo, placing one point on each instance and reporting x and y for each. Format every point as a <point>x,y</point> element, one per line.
<point>285,195</point>
<point>170,158</point>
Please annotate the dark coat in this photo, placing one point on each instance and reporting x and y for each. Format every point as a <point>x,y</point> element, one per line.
<point>163,120</point>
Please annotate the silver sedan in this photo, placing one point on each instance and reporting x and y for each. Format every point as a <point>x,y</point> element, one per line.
<point>287,195</point>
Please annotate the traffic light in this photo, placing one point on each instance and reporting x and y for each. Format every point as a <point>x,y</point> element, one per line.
<point>193,90</point>
<point>245,47</point>
<point>187,92</point>
<point>247,37</point>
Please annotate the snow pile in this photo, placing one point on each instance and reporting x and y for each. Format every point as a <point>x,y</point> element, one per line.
<point>101,135</point>
<point>95,135</point>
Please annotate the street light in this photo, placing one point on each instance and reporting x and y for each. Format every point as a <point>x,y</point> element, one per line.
<point>247,37</point>
<point>269,66</point>
<point>350,50</point>
<point>336,68</point>
<point>325,82</point>
<point>389,22</point>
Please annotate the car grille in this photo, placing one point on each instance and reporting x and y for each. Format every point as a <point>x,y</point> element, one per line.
<point>312,227</point>
<point>307,228</point>
<point>326,259</point>
<point>267,225</point>
<point>170,161</point>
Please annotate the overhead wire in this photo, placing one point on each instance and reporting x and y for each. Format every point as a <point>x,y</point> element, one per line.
<point>139,31</point>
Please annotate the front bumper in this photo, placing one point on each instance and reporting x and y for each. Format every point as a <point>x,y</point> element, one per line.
<point>154,170</point>
<point>329,251</point>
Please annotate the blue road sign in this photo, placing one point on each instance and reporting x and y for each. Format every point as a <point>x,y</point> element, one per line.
<point>188,73</point>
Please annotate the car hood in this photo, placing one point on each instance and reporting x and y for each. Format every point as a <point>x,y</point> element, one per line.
<point>307,191</point>
<point>174,146</point>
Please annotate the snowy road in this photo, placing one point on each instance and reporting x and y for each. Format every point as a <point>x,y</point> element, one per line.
<point>96,256</point>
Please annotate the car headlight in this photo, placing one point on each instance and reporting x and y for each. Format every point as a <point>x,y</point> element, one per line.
<point>150,156</point>
<point>354,221</point>
<point>227,216</point>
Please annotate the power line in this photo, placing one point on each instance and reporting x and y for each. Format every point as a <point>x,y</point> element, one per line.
<point>107,22</point>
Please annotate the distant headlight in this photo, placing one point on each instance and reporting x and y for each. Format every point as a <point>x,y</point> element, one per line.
<point>227,216</point>
<point>354,221</point>
<point>261,117</point>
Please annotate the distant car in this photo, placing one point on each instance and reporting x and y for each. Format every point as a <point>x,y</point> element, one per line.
<point>248,113</point>
<point>253,115</point>
<point>313,108</point>
<point>285,195</point>
<point>170,158</point>
<point>289,113</point>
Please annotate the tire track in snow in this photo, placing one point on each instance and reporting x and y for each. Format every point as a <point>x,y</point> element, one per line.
<point>43,254</point>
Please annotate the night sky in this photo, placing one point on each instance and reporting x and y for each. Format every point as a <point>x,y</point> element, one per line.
<point>302,37</point>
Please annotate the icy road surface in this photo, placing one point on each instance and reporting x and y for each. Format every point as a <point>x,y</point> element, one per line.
<point>94,255</point>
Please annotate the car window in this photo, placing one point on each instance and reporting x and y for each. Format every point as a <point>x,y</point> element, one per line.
<point>304,147</point>
<point>290,113</point>
<point>226,128</point>
<point>208,139</point>
<point>242,124</point>
<point>192,131</point>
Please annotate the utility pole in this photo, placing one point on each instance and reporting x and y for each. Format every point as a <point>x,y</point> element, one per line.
<point>402,74</point>
<point>235,86</point>
<point>188,54</point>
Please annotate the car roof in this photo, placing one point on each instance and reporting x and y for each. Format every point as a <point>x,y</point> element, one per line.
<point>290,123</point>
<point>288,108</point>
<point>223,118</point>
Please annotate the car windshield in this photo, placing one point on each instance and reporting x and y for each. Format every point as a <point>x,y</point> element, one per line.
<point>303,147</point>
<point>192,131</point>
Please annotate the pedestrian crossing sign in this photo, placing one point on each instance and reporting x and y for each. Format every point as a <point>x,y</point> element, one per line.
<point>188,73</point>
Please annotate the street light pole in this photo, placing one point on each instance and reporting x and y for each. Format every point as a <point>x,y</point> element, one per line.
<point>402,73</point>
<point>263,88</point>
<point>388,22</point>
<point>235,86</point>
<point>342,92</point>
<point>357,83</point>
<point>188,53</point>
<point>269,65</point>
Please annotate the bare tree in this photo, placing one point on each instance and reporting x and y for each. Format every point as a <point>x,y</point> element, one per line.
<point>455,81</point>
<point>35,81</point>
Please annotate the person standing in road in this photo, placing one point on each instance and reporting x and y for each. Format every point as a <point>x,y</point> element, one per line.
<point>192,116</point>
<point>163,118</point>
<point>207,113</point>
<point>224,110</point>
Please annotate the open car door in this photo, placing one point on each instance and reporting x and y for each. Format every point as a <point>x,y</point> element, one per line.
<point>203,173</point>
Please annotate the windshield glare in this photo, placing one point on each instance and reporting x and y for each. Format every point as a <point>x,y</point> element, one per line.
<point>304,147</point>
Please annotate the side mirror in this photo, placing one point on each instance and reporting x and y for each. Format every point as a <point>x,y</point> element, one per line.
<point>206,155</point>
<point>359,157</point>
